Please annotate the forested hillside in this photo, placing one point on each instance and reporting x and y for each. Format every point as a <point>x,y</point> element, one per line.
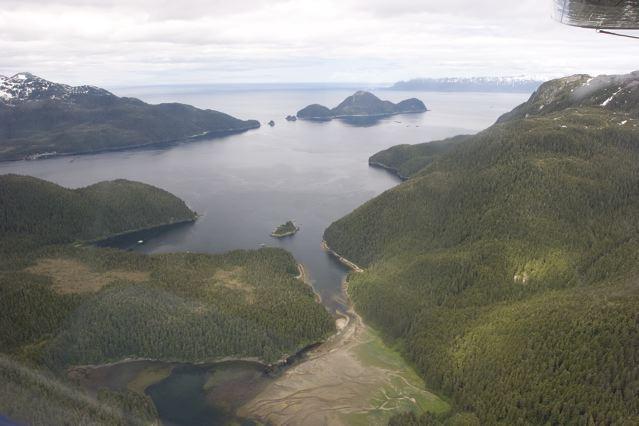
<point>406,160</point>
<point>41,118</point>
<point>506,267</point>
<point>35,210</point>
<point>75,306</point>
<point>32,396</point>
<point>67,304</point>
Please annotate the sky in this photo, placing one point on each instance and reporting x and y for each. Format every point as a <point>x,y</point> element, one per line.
<point>149,42</point>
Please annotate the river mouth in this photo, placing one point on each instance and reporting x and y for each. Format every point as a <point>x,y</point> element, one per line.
<point>207,395</point>
<point>187,393</point>
<point>353,378</point>
<point>183,393</point>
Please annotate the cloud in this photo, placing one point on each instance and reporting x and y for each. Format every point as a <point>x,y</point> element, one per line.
<point>111,42</point>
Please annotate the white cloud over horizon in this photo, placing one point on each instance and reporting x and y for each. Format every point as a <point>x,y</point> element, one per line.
<point>135,42</point>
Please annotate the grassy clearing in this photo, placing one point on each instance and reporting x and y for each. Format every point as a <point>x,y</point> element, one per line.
<point>73,276</point>
<point>404,390</point>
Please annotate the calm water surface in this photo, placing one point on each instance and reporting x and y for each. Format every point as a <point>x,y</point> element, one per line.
<point>245,185</point>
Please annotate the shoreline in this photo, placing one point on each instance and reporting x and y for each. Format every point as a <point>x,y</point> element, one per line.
<point>100,240</point>
<point>393,170</point>
<point>341,258</point>
<point>286,234</point>
<point>267,367</point>
<point>159,144</point>
<point>276,366</point>
<point>305,278</point>
<point>381,115</point>
<point>351,378</point>
<point>275,234</point>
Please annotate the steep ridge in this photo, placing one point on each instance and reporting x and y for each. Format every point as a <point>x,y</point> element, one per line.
<point>506,266</point>
<point>39,118</point>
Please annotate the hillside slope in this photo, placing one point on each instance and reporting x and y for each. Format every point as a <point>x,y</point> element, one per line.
<point>43,212</point>
<point>247,302</point>
<point>506,266</point>
<point>40,118</point>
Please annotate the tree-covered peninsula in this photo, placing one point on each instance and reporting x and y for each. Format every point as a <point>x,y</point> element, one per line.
<point>40,118</point>
<point>506,266</point>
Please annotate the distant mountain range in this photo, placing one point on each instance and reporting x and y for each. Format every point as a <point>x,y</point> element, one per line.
<point>361,104</point>
<point>470,84</point>
<point>39,118</point>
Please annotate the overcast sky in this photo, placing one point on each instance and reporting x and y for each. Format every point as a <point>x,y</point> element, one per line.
<point>113,42</point>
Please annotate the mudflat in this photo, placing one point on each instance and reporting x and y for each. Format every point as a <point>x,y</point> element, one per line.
<point>353,378</point>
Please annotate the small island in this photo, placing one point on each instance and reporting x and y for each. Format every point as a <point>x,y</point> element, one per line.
<point>291,118</point>
<point>285,230</point>
<point>361,104</point>
<point>271,123</point>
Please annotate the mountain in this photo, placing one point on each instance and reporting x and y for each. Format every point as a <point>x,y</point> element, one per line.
<point>361,104</point>
<point>41,118</point>
<point>471,84</point>
<point>505,267</point>
<point>612,92</point>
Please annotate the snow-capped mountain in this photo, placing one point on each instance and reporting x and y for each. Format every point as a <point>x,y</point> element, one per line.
<point>25,86</point>
<point>470,84</point>
<point>618,93</point>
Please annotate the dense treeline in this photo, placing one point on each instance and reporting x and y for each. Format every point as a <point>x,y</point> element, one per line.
<point>429,419</point>
<point>44,116</point>
<point>193,307</point>
<point>186,307</point>
<point>506,269</point>
<point>406,160</point>
<point>68,304</point>
<point>30,310</point>
<point>42,212</point>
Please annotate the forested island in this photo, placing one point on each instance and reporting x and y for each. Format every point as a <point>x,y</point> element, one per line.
<point>504,268</point>
<point>65,303</point>
<point>287,229</point>
<point>361,104</point>
<point>40,118</point>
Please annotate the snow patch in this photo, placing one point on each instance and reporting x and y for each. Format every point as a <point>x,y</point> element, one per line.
<point>607,101</point>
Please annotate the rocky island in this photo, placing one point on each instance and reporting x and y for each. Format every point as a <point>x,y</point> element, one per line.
<point>285,230</point>
<point>361,104</point>
<point>40,118</point>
